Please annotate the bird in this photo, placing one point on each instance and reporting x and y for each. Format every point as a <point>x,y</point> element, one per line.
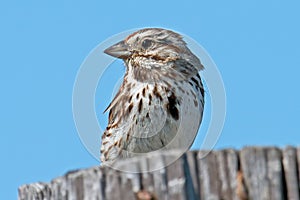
<point>159,105</point>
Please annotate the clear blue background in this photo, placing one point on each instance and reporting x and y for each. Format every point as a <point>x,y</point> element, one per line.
<point>255,44</point>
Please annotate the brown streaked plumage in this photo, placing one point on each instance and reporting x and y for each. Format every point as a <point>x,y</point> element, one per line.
<point>160,102</point>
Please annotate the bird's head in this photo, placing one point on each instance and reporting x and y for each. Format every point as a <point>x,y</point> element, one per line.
<point>155,48</point>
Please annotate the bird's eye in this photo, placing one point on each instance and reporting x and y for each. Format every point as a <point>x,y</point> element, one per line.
<point>146,43</point>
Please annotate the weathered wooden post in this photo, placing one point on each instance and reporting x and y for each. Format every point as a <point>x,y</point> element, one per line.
<point>254,173</point>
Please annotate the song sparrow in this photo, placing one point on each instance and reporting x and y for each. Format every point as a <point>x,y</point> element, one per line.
<point>160,102</point>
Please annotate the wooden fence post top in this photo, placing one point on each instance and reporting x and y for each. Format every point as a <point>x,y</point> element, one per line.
<point>251,173</point>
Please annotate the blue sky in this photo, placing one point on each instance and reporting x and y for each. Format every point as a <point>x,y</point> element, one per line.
<point>255,45</point>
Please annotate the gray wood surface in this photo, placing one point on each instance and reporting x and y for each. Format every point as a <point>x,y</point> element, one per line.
<point>253,173</point>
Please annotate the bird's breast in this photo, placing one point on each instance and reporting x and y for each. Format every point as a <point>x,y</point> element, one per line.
<point>165,115</point>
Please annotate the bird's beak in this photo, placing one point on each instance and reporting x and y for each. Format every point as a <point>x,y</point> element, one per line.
<point>119,50</point>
